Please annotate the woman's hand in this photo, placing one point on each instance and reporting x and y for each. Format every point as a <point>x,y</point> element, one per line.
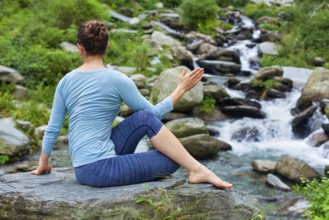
<point>44,166</point>
<point>188,80</point>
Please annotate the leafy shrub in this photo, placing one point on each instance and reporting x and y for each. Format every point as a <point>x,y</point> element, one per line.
<point>256,11</point>
<point>199,14</point>
<point>235,3</point>
<point>6,103</point>
<point>4,159</point>
<point>65,13</point>
<point>33,112</point>
<point>317,194</point>
<point>208,105</point>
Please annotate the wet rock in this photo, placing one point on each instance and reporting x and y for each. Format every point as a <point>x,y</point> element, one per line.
<point>216,115</point>
<point>232,82</point>
<point>186,127</point>
<point>299,122</point>
<point>273,93</point>
<point>164,40</point>
<point>58,196</point>
<point>61,142</point>
<point>275,182</point>
<point>315,89</point>
<point>170,19</point>
<point>269,73</point>
<point>217,66</point>
<point>24,125</point>
<point>167,82</point>
<point>215,92</point>
<point>326,150</point>
<point>10,75</point>
<point>203,146</point>
<point>326,169</point>
<point>173,116</point>
<point>325,128</point>
<point>239,101</point>
<point>194,45</point>
<point>183,55</point>
<point>123,30</point>
<point>294,169</point>
<point>207,48</point>
<point>316,139</point>
<point>13,142</point>
<point>318,61</point>
<point>213,132</point>
<point>243,111</point>
<point>139,80</point>
<point>269,48</point>
<point>247,134</point>
<point>69,47</point>
<point>264,166</point>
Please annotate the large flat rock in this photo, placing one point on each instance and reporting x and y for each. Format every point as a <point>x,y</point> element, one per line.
<point>58,196</point>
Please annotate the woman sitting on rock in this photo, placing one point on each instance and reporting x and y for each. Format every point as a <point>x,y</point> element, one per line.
<point>104,156</point>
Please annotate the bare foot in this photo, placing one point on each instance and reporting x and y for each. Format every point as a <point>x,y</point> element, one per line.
<point>204,175</point>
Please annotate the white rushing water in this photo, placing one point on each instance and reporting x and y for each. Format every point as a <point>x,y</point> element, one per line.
<point>272,136</point>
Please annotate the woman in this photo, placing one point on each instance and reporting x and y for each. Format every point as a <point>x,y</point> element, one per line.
<point>102,156</point>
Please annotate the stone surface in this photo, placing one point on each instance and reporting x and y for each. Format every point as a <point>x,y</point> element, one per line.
<point>316,87</point>
<point>264,166</point>
<point>275,181</point>
<point>299,122</point>
<point>10,75</point>
<point>119,16</point>
<point>269,73</point>
<point>186,127</point>
<point>203,146</point>
<point>325,128</point>
<point>69,47</point>
<point>247,133</point>
<point>40,131</point>
<point>12,141</point>
<point>58,196</point>
<point>139,80</point>
<point>20,92</point>
<point>269,48</point>
<point>317,138</point>
<point>217,66</point>
<point>164,40</point>
<point>243,111</point>
<point>294,169</point>
<point>215,92</point>
<point>183,55</point>
<point>172,116</point>
<point>168,81</point>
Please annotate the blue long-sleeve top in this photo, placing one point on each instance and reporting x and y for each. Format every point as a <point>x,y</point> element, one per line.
<point>92,100</point>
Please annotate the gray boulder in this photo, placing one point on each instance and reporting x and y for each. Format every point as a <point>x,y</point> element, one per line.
<point>13,142</point>
<point>264,166</point>
<point>217,66</point>
<point>20,92</point>
<point>69,47</point>
<point>299,122</point>
<point>168,81</point>
<point>203,146</point>
<point>186,127</point>
<point>164,40</point>
<point>269,73</point>
<point>317,138</point>
<point>215,116</point>
<point>269,48</point>
<point>58,196</point>
<point>294,169</point>
<point>183,55</point>
<point>315,89</point>
<point>139,80</point>
<point>275,182</point>
<point>248,133</point>
<point>215,92</point>
<point>243,111</point>
<point>10,75</point>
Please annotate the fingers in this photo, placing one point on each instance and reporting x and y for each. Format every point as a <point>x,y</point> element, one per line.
<point>183,72</point>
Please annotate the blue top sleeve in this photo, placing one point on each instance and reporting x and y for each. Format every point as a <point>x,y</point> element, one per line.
<point>134,100</point>
<point>55,123</point>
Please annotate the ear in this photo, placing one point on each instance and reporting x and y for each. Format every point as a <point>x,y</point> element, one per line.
<point>81,49</point>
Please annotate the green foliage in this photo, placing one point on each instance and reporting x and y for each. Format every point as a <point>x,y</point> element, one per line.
<point>3,159</point>
<point>32,112</point>
<point>269,27</point>
<point>6,103</point>
<point>317,194</point>
<point>201,15</point>
<point>256,11</point>
<point>234,3</point>
<point>65,13</point>
<point>208,105</point>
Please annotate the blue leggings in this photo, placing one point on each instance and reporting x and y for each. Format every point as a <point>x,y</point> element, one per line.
<point>127,167</point>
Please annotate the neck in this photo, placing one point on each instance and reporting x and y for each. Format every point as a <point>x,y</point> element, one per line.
<point>92,63</point>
